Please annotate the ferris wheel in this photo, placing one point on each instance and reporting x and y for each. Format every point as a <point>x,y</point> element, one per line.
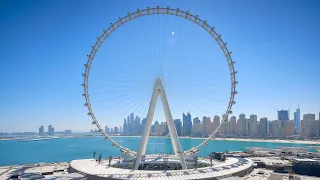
<point>157,12</point>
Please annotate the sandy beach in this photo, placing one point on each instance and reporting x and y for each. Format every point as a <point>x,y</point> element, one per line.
<point>310,142</point>
<point>273,141</point>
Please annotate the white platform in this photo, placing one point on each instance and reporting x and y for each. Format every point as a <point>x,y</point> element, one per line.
<point>232,166</point>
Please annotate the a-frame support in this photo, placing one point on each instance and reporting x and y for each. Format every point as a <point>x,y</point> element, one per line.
<point>159,90</point>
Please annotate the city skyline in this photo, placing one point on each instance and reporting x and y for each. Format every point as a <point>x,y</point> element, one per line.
<point>137,124</point>
<point>230,127</point>
<point>274,71</point>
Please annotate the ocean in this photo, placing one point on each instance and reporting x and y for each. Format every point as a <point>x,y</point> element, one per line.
<point>67,149</point>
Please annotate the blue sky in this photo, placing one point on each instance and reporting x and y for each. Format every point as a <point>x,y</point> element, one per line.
<point>44,45</point>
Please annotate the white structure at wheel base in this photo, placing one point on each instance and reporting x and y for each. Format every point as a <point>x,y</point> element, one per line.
<point>94,170</point>
<point>159,90</point>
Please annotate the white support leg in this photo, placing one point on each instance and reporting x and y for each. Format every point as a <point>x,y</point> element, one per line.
<point>147,127</point>
<point>159,90</point>
<point>172,130</point>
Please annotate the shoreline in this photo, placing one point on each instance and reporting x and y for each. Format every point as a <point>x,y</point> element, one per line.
<point>307,142</point>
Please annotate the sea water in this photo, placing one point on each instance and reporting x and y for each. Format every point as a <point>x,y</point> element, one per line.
<point>67,149</point>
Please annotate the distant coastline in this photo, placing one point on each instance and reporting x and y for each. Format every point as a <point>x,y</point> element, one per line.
<point>309,142</point>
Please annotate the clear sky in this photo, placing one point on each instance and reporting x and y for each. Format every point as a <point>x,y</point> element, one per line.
<point>44,45</point>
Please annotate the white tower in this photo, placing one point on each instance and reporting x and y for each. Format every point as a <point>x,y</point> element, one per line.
<point>159,90</point>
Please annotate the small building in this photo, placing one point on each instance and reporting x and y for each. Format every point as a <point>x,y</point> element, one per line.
<point>306,166</point>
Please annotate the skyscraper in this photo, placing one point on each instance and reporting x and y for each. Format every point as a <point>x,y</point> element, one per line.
<point>277,129</point>
<point>124,126</point>
<point>224,125</point>
<point>297,121</point>
<point>178,125</point>
<point>252,125</point>
<point>116,130</point>
<point>309,125</point>
<point>288,128</point>
<point>41,130</point>
<point>187,124</point>
<point>50,130</point>
<point>137,125</point>
<point>206,126</point>
<point>196,127</point>
<point>106,129</point>
<point>243,123</point>
<point>309,116</point>
<point>263,127</point>
<point>128,125</point>
<point>143,123</point>
<point>215,123</point>
<point>161,129</point>
<point>153,128</point>
<point>232,125</point>
<point>132,125</point>
<point>270,128</point>
<point>283,115</point>
<point>166,129</point>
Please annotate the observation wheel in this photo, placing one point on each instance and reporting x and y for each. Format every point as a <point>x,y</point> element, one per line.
<point>157,12</point>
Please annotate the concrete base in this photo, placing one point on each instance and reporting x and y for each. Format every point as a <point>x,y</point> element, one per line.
<point>231,167</point>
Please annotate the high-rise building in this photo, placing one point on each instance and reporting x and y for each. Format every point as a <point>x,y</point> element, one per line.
<point>153,128</point>
<point>215,123</point>
<point>238,130</point>
<point>161,129</point>
<point>106,129</point>
<point>121,130</point>
<point>243,125</point>
<point>309,125</point>
<point>116,130</point>
<point>178,125</point>
<point>263,127</point>
<point>187,124</point>
<point>232,125</point>
<point>124,126</point>
<point>309,116</point>
<point>50,130</point>
<point>297,121</point>
<point>132,124</point>
<point>288,128</point>
<point>224,125</point>
<point>252,125</point>
<point>128,125</point>
<point>270,128</point>
<point>196,120</point>
<point>283,115</point>
<point>206,126</point>
<point>196,127</point>
<point>142,124</point>
<point>166,129</point>
<point>277,129</point>
<point>137,125</point>
<point>41,130</point>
